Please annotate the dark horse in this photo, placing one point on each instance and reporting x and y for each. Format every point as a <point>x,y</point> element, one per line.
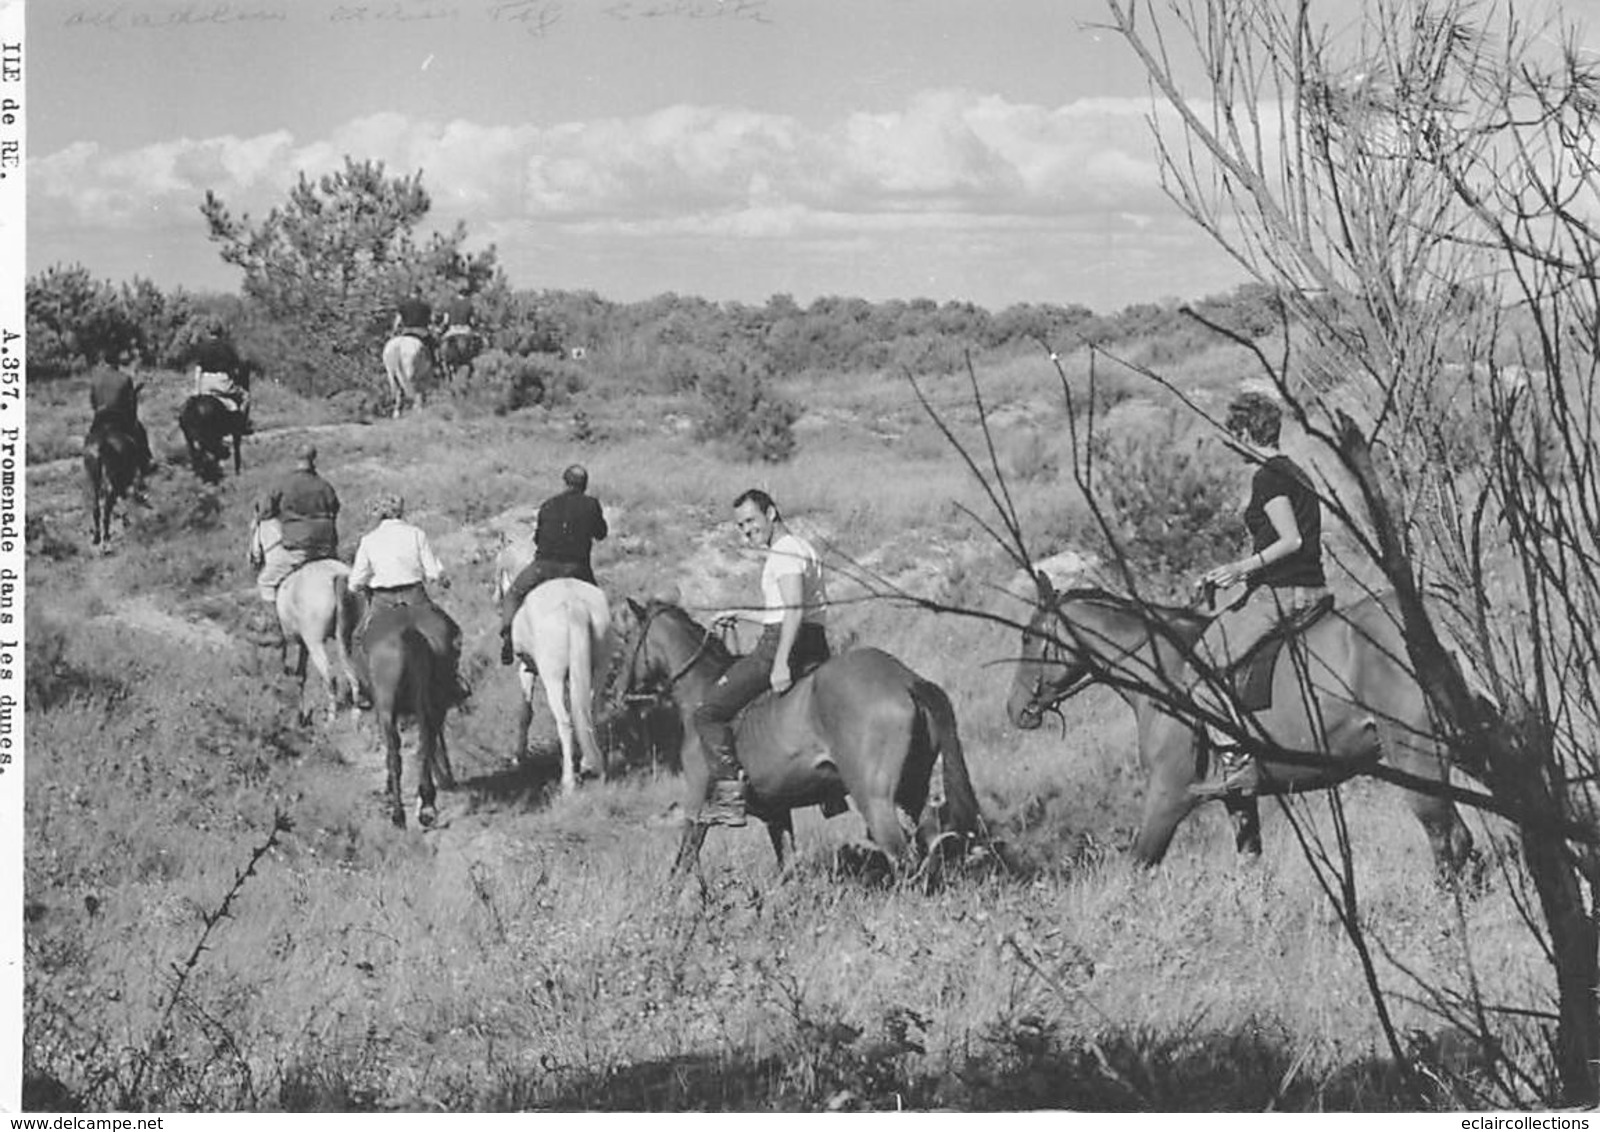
<point>207,424</point>
<point>1347,703</point>
<point>110,462</point>
<point>458,352</point>
<point>862,724</point>
<point>405,683</point>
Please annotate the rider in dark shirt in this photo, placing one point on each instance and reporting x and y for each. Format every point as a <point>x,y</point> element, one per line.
<point>568,526</point>
<point>219,372</point>
<point>114,398</point>
<point>458,312</point>
<point>1283,576</point>
<point>414,317</point>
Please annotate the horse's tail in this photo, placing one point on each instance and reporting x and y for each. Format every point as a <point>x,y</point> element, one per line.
<point>580,683</point>
<point>938,715</point>
<point>344,627</point>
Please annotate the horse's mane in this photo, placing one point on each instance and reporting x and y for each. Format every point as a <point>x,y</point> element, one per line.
<point>1122,603</point>
<point>714,648</point>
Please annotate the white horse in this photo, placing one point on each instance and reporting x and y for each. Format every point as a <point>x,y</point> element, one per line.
<point>565,627</point>
<point>314,608</point>
<point>406,361</point>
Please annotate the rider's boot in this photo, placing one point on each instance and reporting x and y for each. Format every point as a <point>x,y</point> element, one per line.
<point>724,804</point>
<point>507,654</point>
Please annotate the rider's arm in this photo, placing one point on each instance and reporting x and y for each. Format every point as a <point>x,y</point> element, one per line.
<point>361,569</point>
<point>432,568</point>
<point>793,594</point>
<point>1281,512</point>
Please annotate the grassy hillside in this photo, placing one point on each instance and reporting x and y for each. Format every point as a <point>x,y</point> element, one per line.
<point>528,954</point>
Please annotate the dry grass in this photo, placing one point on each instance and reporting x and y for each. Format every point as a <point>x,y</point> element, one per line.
<point>528,953</point>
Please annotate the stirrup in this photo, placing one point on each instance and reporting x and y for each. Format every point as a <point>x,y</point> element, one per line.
<point>1233,774</point>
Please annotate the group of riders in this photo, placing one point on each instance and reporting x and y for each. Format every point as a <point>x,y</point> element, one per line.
<point>414,317</point>
<point>394,567</point>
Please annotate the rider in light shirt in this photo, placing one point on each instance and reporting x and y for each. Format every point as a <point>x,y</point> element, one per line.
<point>793,640</point>
<point>394,564</point>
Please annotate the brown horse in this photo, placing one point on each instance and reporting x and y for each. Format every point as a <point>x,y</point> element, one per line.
<point>1343,699</point>
<point>208,424</point>
<point>401,667</point>
<point>458,351</point>
<point>861,725</point>
<point>110,462</point>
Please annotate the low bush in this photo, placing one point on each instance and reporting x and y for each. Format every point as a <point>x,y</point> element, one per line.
<point>1169,491</point>
<point>738,410</point>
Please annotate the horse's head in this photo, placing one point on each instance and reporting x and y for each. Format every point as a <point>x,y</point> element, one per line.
<point>660,643</point>
<point>1052,666</point>
<point>1091,634</point>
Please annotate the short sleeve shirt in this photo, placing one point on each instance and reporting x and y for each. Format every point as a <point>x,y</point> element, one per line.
<point>791,555</point>
<point>1281,476</point>
<point>415,312</point>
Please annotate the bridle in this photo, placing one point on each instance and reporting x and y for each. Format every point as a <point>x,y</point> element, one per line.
<point>663,690</point>
<point>1041,700</point>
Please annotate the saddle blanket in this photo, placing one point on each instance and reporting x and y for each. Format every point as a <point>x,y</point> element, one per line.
<point>1252,675</point>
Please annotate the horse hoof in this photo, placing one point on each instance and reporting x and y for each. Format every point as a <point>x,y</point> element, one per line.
<point>426,816</point>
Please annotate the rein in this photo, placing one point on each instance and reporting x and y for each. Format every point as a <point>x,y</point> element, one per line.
<point>665,690</point>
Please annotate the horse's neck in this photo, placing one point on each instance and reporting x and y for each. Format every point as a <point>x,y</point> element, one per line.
<point>702,672</point>
<point>1143,650</point>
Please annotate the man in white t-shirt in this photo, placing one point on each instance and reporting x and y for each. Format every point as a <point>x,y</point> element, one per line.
<point>793,640</point>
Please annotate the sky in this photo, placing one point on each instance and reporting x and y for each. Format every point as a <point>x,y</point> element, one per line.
<point>987,150</point>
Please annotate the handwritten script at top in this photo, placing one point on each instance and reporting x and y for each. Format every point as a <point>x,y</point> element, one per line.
<point>690,10</point>
<point>533,17</point>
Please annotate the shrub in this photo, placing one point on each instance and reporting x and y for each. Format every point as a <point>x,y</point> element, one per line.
<point>1169,491</point>
<point>738,410</point>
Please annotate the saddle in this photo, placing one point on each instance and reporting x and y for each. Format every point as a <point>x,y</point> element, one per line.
<point>1251,675</point>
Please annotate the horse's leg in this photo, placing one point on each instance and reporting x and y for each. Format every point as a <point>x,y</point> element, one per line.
<point>694,836</point>
<point>780,831</point>
<point>1245,815</point>
<point>238,452</point>
<point>555,693</point>
<point>1170,760</point>
<point>427,755</point>
<point>388,716</point>
<point>317,650</point>
<point>303,686</point>
<point>444,770</point>
<point>524,720</point>
<point>1455,858</point>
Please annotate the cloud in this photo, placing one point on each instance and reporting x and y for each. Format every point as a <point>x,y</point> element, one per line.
<point>948,158</point>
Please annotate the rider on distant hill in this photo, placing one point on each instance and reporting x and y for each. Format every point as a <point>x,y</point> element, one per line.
<point>394,565</point>
<point>459,316</point>
<point>113,397</point>
<point>219,372</point>
<point>414,317</point>
<point>567,527</point>
<point>307,507</point>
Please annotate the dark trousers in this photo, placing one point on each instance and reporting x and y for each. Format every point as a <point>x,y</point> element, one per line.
<point>538,571</point>
<point>742,683</point>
